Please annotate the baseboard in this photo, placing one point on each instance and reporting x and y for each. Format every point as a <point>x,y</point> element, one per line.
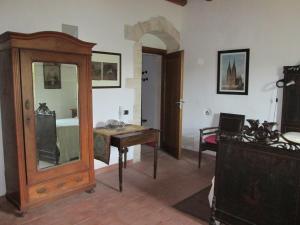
<point>190,150</point>
<point>111,167</point>
<point>207,152</point>
<point>2,199</point>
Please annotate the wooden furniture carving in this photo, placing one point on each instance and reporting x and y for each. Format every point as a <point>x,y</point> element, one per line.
<point>229,124</point>
<point>257,179</point>
<point>123,141</point>
<point>31,179</point>
<point>291,100</point>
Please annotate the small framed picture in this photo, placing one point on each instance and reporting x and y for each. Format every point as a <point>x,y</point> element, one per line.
<point>106,70</point>
<point>52,77</point>
<point>233,72</point>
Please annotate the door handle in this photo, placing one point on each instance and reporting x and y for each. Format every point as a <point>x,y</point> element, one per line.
<point>180,103</point>
<point>78,179</point>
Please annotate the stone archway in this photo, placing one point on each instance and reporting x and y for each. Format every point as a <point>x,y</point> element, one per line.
<point>158,26</point>
<point>164,30</point>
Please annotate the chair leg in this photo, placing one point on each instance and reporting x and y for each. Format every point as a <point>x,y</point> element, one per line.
<point>200,150</point>
<point>200,158</point>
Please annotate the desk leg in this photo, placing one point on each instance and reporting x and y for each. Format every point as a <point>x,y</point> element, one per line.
<point>125,157</point>
<point>120,169</point>
<point>155,160</point>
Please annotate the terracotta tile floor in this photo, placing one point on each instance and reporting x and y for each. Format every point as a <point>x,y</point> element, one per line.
<point>144,201</point>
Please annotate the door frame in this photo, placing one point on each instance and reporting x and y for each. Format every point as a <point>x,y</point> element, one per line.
<point>162,53</point>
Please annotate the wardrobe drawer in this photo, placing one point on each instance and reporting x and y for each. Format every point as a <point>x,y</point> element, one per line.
<point>58,186</point>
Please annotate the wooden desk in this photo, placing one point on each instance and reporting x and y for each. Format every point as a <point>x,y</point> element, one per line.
<point>123,141</point>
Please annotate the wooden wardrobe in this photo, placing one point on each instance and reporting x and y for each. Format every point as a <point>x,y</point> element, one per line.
<point>41,73</point>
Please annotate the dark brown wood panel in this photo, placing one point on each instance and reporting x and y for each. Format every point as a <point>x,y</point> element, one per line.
<point>172,94</point>
<point>290,120</point>
<point>257,184</point>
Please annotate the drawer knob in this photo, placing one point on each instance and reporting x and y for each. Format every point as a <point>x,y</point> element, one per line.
<point>60,185</point>
<point>41,190</point>
<point>78,179</point>
<point>27,104</point>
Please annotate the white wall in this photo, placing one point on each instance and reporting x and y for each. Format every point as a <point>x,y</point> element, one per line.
<point>99,21</point>
<point>269,28</point>
<point>151,90</point>
<point>60,100</point>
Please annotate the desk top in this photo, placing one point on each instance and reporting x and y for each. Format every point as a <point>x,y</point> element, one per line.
<point>115,131</point>
<point>135,133</point>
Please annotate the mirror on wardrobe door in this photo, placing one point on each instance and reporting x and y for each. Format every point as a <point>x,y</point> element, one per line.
<point>55,91</point>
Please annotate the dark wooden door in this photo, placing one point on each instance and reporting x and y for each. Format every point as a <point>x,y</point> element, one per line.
<point>171,127</point>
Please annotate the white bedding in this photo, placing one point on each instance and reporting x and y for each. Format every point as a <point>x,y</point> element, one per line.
<point>67,122</point>
<point>211,195</point>
<point>68,140</point>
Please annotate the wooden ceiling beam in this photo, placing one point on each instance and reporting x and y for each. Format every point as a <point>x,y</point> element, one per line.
<point>178,2</point>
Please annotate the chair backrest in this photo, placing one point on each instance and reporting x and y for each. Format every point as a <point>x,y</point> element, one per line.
<point>45,129</point>
<point>231,123</point>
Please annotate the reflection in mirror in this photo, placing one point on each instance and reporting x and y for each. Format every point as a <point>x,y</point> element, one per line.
<point>55,90</point>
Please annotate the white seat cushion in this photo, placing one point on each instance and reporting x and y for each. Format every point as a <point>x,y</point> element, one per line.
<point>292,136</point>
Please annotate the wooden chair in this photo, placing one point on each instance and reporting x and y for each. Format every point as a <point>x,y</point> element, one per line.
<point>46,135</point>
<point>229,124</point>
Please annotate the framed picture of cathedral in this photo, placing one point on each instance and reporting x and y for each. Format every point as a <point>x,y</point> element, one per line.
<point>233,72</point>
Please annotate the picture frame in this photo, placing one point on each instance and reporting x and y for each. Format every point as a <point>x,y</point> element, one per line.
<point>233,72</point>
<point>52,75</point>
<point>106,69</point>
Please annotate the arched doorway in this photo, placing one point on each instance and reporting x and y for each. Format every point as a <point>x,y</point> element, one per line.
<point>167,33</point>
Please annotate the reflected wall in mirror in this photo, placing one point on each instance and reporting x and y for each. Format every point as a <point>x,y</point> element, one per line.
<point>55,91</point>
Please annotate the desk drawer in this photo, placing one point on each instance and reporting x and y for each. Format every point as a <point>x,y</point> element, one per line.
<point>135,138</point>
<point>58,186</point>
